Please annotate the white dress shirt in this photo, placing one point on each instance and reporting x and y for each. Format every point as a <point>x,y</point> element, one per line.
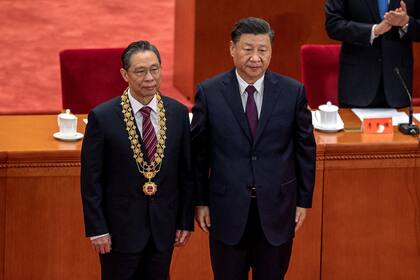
<point>258,95</point>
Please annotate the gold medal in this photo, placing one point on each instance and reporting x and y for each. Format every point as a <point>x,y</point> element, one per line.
<point>147,169</point>
<point>149,188</point>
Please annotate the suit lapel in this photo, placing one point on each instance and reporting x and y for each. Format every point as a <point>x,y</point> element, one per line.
<point>373,8</point>
<point>271,94</point>
<point>233,98</point>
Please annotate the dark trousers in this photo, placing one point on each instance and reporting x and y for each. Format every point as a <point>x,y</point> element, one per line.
<point>149,264</point>
<point>268,262</point>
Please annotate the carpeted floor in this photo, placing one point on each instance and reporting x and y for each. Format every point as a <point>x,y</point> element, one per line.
<point>34,31</point>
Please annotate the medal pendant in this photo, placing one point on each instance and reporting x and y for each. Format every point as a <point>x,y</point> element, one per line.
<point>149,188</point>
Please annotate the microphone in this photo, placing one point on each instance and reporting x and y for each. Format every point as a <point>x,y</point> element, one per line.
<point>407,128</point>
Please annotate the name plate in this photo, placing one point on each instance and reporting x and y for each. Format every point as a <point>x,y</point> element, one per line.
<point>378,126</point>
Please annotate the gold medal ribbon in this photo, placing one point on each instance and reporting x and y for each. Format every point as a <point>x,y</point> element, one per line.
<point>147,169</point>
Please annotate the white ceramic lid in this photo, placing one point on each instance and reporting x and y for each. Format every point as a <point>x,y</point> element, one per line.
<point>67,115</point>
<point>329,107</point>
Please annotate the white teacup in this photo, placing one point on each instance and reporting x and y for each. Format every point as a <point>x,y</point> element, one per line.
<point>328,115</point>
<point>67,123</point>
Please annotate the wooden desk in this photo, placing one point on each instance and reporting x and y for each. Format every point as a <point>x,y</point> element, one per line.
<point>371,205</point>
<point>364,223</point>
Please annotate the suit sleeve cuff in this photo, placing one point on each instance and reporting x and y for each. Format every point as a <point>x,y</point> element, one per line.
<point>98,236</point>
<point>403,30</point>
<point>372,34</point>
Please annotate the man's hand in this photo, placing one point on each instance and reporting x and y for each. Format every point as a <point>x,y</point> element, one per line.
<point>397,17</point>
<point>202,216</point>
<point>382,28</point>
<point>181,237</point>
<point>300,217</point>
<point>102,245</point>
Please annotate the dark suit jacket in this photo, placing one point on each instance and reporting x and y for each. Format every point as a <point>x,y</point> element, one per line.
<point>281,159</point>
<point>111,184</point>
<point>363,64</point>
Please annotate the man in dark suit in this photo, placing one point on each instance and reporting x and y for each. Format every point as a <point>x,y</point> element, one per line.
<point>254,154</point>
<point>376,37</point>
<point>136,177</point>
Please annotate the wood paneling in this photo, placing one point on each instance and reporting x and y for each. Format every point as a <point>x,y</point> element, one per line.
<point>371,220</point>
<point>208,24</point>
<point>3,161</point>
<point>44,232</point>
<point>184,47</point>
<point>364,223</point>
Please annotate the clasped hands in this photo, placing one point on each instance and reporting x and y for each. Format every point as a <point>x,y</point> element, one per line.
<point>397,17</point>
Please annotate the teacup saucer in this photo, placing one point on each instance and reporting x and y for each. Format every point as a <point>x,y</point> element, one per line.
<point>328,129</point>
<point>318,126</point>
<point>63,137</point>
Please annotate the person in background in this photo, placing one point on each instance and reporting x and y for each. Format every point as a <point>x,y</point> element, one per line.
<point>376,38</point>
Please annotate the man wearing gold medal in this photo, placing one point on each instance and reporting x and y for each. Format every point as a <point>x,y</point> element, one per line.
<point>136,176</point>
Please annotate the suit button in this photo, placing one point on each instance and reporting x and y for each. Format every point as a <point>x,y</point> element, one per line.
<point>254,158</point>
<point>379,59</point>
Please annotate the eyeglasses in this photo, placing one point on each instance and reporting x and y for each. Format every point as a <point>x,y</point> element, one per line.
<point>142,72</point>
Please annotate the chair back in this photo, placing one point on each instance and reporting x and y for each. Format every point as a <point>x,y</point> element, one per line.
<point>319,73</point>
<point>90,77</point>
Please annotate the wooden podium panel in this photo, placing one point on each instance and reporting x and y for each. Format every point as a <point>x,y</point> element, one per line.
<point>44,226</point>
<point>364,223</point>
<point>371,218</point>
<point>41,204</point>
<point>371,204</point>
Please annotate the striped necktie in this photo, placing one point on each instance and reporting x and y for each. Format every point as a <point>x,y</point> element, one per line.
<point>149,135</point>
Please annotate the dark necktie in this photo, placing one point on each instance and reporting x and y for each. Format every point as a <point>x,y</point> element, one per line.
<point>149,135</point>
<point>382,7</point>
<point>251,110</point>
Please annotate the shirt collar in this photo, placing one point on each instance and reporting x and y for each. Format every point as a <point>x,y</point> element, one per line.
<point>136,105</point>
<point>259,84</point>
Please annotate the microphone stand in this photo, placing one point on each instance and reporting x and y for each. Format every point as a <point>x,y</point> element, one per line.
<point>407,128</point>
